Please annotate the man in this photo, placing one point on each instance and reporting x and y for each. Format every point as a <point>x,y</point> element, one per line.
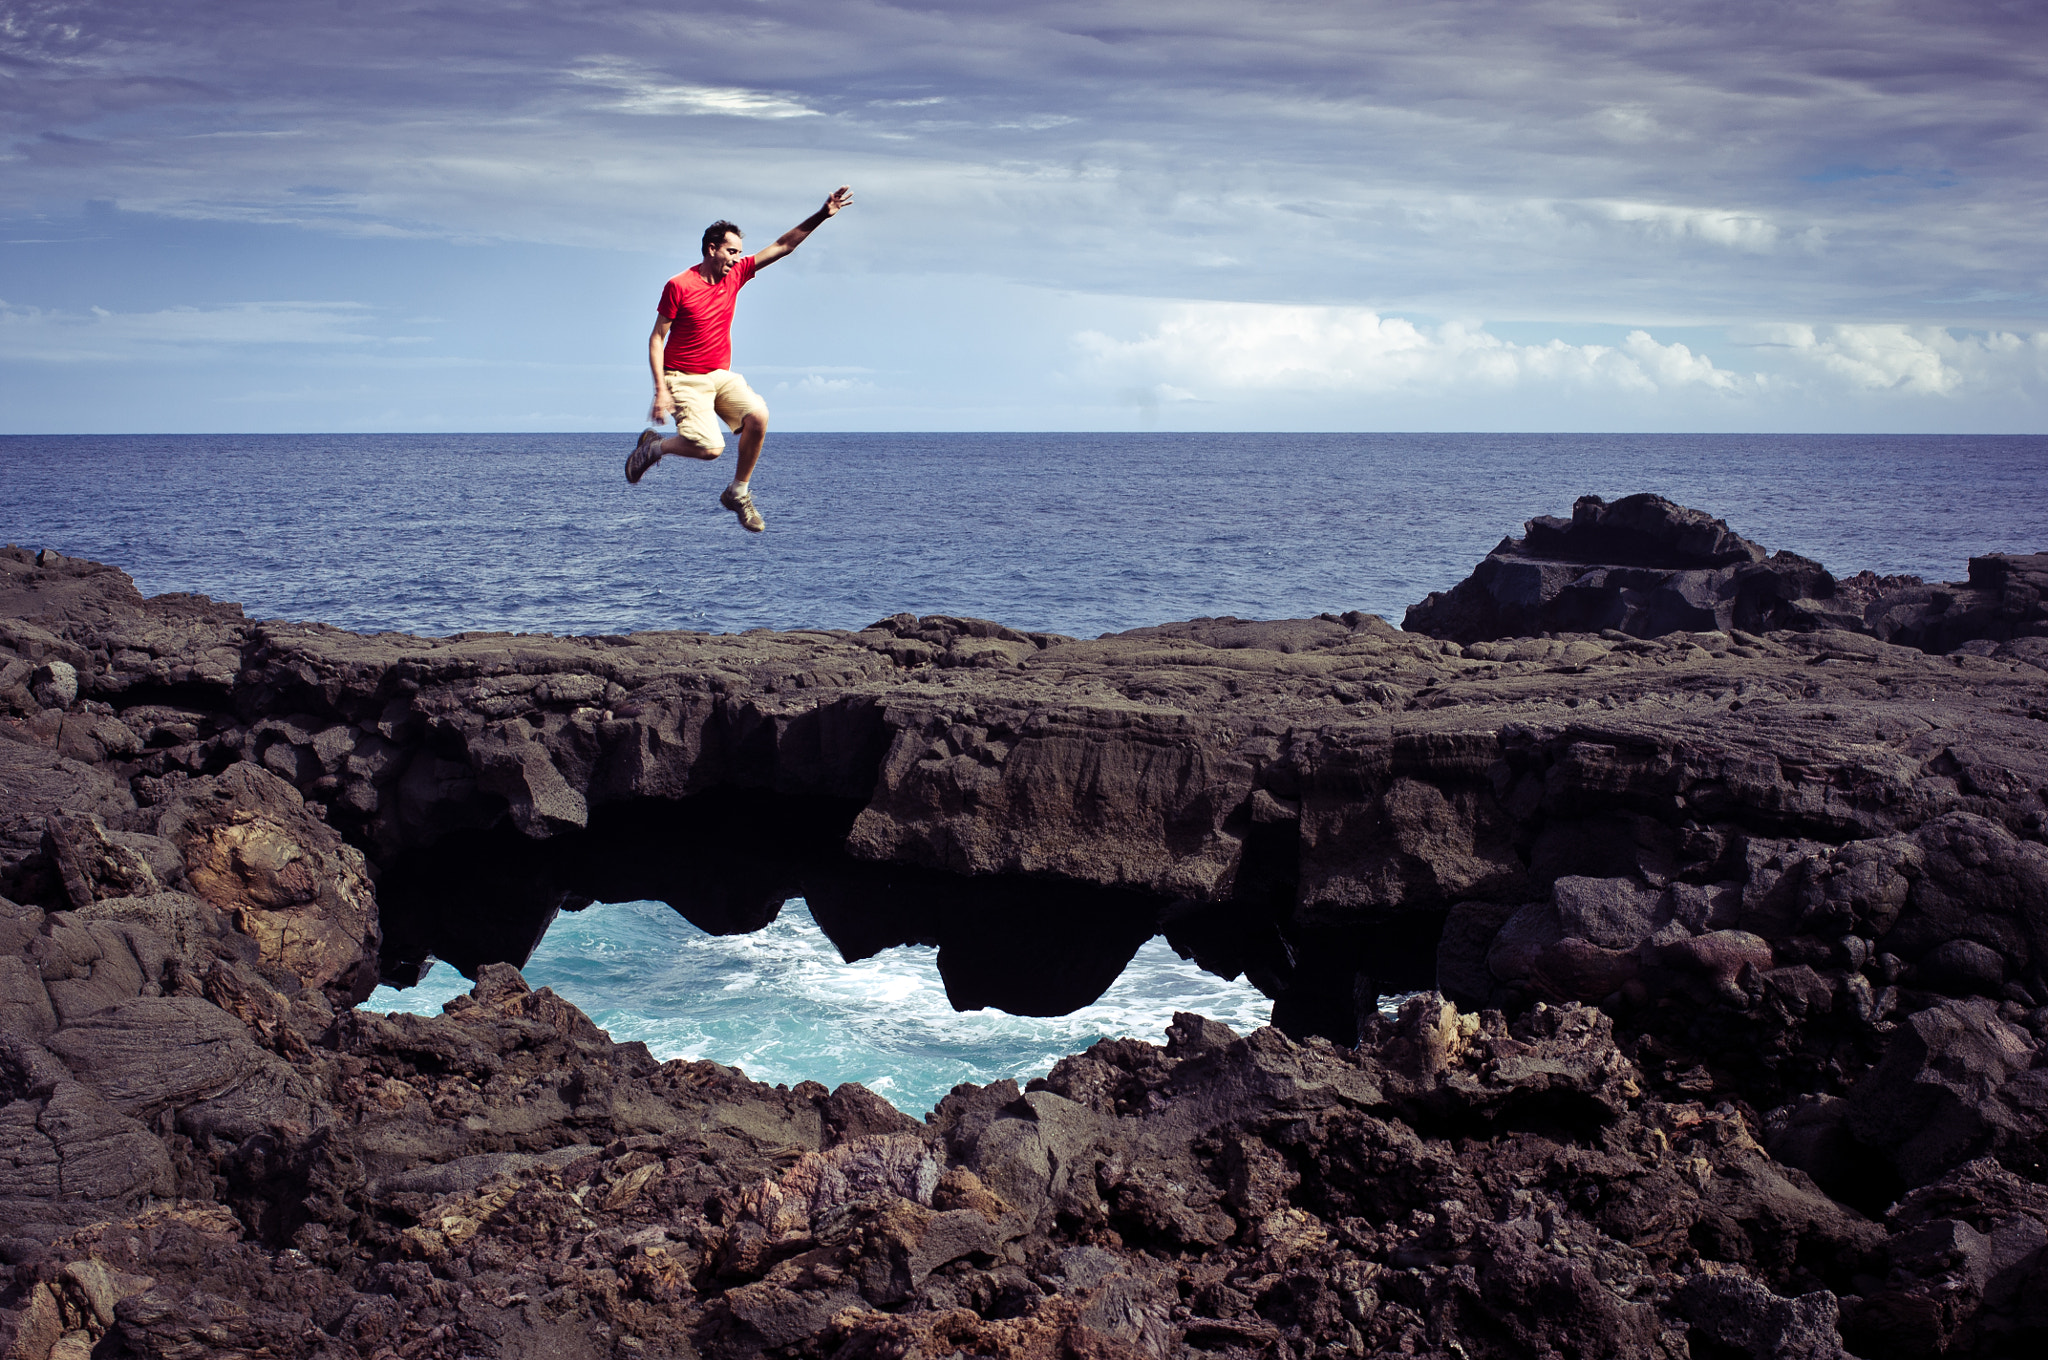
<point>690,352</point>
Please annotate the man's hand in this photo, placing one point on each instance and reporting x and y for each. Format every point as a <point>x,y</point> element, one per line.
<point>794,237</point>
<point>658,413</point>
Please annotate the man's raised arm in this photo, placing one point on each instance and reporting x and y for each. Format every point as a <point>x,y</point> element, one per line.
<point>794,237</point>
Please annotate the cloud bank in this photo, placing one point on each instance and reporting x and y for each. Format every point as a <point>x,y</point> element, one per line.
<point>1558,158</point>
<point>1835,198</point>
<point>1243,348</point>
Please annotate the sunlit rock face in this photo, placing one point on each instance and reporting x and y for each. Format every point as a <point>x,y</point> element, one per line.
<point>1730,942</point>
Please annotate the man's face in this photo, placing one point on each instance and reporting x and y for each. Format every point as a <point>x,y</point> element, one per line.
<point>719,258</point>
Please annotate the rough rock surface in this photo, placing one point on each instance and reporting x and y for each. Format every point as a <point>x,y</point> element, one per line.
<point>2004,599</point>
<point>503,1180</point>
<point>1647,567</point>
<point>1735,1048</point>
<point>1642,566</point>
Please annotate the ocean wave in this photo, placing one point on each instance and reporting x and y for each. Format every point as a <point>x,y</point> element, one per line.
<point>783,1006</point>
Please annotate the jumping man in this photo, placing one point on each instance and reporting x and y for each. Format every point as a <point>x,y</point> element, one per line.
<point>689,352</point>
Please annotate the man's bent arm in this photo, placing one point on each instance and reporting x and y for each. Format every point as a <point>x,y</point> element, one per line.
<point>794,237</point>
<point>656,343</point>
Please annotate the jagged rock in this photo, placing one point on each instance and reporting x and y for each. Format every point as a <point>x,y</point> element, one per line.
<point>1956,1082</point>
<point>1643,566</point>
<point>680,1204</point>
<point>1366,779</point>
<point>292,884</point>
<point>55,684</point>
<point>186,1059</point>
<point>40,784</point>
<point>66,1154</point>
<point>187,929</point>
<point>2005,600</point>
<point>1742,1317</point>
<point>1966,1267</point>
<point>92,865</point>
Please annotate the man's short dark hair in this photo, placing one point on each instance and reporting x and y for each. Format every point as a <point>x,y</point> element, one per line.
<point>715,234</point>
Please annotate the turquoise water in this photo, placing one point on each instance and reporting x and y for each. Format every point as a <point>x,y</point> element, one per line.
<point>783,1007</point>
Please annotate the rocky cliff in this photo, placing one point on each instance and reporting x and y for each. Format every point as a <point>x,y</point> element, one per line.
<point>1733,945</point>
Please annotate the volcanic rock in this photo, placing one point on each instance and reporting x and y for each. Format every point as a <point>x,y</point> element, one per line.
<point>2004,601</point>
<point>1729,948</point>
<point>1643,566</point>
<point>1646,567</point>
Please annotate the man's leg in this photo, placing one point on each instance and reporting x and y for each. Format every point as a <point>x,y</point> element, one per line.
<point>687,447</point>
<point>753,429</point>
<point>741,407</point>
<point>736,497</point>
<point>697,434</point>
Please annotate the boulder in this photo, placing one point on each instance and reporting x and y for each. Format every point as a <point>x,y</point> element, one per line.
<point>1957,1082</point>
<point>289,881</point>
<point>2004,599</point>
<point>91,864</point>
<point>1643,566</point>
<point>1738,1316</point>
<point>55,684</point>
<point>67,1154</point>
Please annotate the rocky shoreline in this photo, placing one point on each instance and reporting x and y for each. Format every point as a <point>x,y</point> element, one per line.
<point>1725,883</point>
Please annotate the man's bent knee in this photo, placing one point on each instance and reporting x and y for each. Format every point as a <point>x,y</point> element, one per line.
<point>754,422</point>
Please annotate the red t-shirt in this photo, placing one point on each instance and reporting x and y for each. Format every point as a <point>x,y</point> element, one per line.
<point>700,338</point>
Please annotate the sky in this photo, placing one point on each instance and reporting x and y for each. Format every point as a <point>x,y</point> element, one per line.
<point>1233,215</point>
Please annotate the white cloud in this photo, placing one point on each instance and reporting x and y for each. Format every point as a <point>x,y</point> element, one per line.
<point>1727,227</point>
<point>48,335</point>
<point>1659,166</point>
<point>1039,122</point>
<point>1913,360</point>
<point>1563,159</point>
<point>1629,123</point>
<point>1215,361</point>
<point>816,384</point>
<point>645,94</point>
<point>1247,348</point>
<point>1673,366</point>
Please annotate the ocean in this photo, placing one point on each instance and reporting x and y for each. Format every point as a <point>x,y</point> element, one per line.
<point>782,1006</point>
<point>1071,533</point>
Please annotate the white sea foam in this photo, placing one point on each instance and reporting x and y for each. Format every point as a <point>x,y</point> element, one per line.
<point>784,1007</point>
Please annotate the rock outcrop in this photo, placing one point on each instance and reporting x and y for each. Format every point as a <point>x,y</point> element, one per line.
<point>1731,946</point>
<point>2005,600</point>
<point>1641,566</point>
<point>1646,567</point>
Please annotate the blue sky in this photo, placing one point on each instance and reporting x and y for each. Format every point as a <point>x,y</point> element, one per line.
<point>1547,214</point>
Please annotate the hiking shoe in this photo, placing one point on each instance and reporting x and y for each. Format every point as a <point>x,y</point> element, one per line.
<point>645,455</point>
<point>742,504</point>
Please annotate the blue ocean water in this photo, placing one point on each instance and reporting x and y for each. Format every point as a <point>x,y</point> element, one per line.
<point>784,1007</point>
<point>1072,533</point>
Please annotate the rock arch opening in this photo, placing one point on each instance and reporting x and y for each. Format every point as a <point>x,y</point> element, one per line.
<point>728,861</point>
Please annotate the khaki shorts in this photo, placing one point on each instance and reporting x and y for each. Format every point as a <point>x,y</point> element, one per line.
<point>703,399</point>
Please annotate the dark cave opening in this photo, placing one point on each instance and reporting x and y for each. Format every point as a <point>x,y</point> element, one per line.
<point>727,861</point>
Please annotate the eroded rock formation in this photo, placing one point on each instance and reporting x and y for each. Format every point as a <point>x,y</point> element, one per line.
<point>1646,567</point>
<point>1732,943</point>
